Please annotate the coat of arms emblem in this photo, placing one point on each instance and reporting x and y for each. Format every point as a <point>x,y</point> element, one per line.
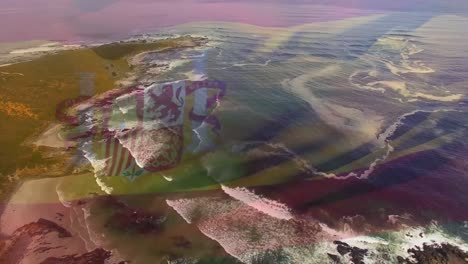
<point>140,130</point>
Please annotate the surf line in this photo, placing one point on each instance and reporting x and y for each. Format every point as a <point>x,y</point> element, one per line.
<point>383,140</point>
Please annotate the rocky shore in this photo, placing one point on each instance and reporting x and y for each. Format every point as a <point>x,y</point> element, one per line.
<point>435,254</point>
<point>35,81</point>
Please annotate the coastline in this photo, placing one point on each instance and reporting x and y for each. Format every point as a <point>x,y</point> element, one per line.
<point>61,74</point>
<point>360,218</point>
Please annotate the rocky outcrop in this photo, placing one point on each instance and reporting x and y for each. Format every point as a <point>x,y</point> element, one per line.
<point>46,242</point>
<point>357,254</point>
<point>97,256</point>
<point>128,219</point>
<point>435,254</point>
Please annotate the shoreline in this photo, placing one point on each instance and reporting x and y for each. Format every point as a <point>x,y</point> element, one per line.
<point>25,51</point>
<point>58,75</point>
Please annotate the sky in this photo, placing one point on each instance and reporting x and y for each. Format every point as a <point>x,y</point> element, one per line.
<point>75,20</point>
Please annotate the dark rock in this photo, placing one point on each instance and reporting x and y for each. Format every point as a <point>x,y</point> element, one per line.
<point>401,260</point>
<point>336,242</point>
<point>97,256</point>
<point>357,254</point>
<point>182,242</point>
<point>435,254</point>
<point>335,259</point>
<point>33,241</point>
<point>127,219</point>
<point>41,227</point>
<point>343,250</point>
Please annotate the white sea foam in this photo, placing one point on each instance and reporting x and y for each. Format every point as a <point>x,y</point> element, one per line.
<point>278,149</point>
<point>380,249</point>
<point>51,138</point>
<point>362,122</point>
<point>48,47</point>
<point>384,143</point>
<point>98,166</point>
<point>401,88</point>
<point>167,178</point>
<point>398,242</point>
<point>184,207</point>
<point>194,76</point>
<point>404,64</point>
<point>262,204</point>
<point>252,64</point>
<point>448,98</point>
<point>242,230</point>
<point>10,73</point>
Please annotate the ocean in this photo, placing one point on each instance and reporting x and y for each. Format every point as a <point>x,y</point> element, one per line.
<point>327,134</point>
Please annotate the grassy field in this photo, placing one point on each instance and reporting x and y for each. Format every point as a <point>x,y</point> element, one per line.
<point>30,92</point>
